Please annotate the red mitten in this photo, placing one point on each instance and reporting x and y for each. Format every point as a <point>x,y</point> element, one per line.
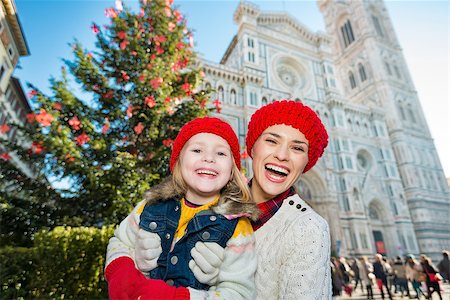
<point>127,282</point>
<point>158,289</point>
<point>122,277</point>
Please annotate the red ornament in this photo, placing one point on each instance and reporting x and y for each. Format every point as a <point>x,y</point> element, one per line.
<point>4,128</point>
<point>168,142</point>
<point>130,110</point>
<point>111,12</point>
<point>150,101</point>
<point>75,123</point>
<point>57,106</point>
<point>30,117</point>
<point>82,139</point>
<point>138,128</point>
<point>108,95</point>
<point>105,126</point>
<point>124,44</point>
<point>121,35</point>
<point>32,93</point>
<point>156,82</point>
<point>44,118</point>
<point>5,156</point>
<point>95,28</point>
<point>244,154</point>
<point>37,148</point>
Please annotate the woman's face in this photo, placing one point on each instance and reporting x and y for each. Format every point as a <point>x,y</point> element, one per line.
<point>280,155</point>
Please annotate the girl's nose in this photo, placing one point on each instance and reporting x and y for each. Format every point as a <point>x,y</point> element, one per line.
<point>208,156</point>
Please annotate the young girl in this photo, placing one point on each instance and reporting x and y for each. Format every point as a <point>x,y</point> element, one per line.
<point>205,200</point>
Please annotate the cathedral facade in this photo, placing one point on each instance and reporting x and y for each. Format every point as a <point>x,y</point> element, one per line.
<point>380,184</point>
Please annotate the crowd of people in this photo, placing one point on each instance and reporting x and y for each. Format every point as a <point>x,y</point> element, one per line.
<point>410,277</point>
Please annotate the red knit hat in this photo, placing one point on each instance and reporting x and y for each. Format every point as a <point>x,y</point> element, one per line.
<point>295,114</point>
<point>206,125</point>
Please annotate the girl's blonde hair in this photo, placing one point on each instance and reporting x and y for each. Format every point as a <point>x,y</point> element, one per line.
<point>235,190</point>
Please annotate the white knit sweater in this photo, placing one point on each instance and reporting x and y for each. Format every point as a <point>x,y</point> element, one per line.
<point>293,249</point>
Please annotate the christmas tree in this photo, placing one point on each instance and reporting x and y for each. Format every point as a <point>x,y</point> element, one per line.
<point>112,140</point>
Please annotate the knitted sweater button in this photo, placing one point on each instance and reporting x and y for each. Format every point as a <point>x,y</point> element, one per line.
<point>291,202</point>
<point>153,225</point>
<point>298,206</point>
<point>206,235</point>
<point>174,260</point>
<point>303,209</point>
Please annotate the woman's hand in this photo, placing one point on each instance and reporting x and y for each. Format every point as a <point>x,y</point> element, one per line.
<point>147,250</point>
<point>206,262</point>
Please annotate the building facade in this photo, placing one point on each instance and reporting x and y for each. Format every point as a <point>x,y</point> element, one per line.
<point>14,105</point>
<point>380,184</point>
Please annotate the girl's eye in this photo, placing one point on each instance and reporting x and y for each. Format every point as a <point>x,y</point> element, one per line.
<point>196,150</point>
<point>271,141</point>
<point>221,154</point>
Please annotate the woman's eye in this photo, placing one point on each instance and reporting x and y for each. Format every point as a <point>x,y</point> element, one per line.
<point>271,141</point>
<point>221,154</point>
<point>196,150</point>
<point>299,149</point>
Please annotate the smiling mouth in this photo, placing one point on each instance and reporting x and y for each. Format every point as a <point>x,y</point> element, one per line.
<point>276,170</point>
<point>207,172</point>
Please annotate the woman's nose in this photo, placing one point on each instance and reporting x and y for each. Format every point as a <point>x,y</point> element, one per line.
<point>282,153</point>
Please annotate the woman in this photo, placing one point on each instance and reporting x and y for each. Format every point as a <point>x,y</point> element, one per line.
<point>285,139</point>
<point>432,279</point>
<point>413,269</point>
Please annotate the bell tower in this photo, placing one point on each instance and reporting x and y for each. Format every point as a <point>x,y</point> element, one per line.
<point>374,73</point>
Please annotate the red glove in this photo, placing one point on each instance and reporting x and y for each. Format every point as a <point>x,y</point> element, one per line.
<point>127,282</point>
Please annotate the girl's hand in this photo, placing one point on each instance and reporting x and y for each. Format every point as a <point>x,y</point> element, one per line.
<point>206,262</point>
<point>147,251</point>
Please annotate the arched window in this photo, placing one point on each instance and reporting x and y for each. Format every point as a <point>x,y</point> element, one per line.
<point>402,112</point>
<point>362,72</point>
<point>220,93</point>
<point>347,33</point>
<point>264,101</point>
<point>377,25</point>
<point>397,72</point>
<point>356,194</point>
<point>233,97</point>
<point>388,68</point>
<point>304,191</point>
<point>352,80</point>
<point>373,213</point>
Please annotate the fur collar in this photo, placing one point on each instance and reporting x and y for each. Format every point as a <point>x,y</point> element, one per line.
<point>166,191</point>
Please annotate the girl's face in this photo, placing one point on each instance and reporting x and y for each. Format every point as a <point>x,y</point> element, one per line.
<point>206,163</point>
<point>280,155</point>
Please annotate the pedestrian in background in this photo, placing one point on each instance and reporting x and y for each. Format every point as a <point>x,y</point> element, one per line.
<point>413,271</point>
<point>380,272</point>
<point>432,277</point>
<point>365,272</point>
<point>400,281</point>
<point>336,278</point>
<point>444,267</point>
<point>355,268</point>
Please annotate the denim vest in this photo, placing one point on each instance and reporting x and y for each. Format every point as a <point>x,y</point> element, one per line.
<point>206,226</point>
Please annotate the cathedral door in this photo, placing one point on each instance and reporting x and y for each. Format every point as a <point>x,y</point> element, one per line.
<point>379,242</point>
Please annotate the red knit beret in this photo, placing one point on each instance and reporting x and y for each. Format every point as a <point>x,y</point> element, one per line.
<point>206,125</point>
<point>295,114</point>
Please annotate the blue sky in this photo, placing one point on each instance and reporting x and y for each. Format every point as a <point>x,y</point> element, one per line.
<point>422,28</point>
